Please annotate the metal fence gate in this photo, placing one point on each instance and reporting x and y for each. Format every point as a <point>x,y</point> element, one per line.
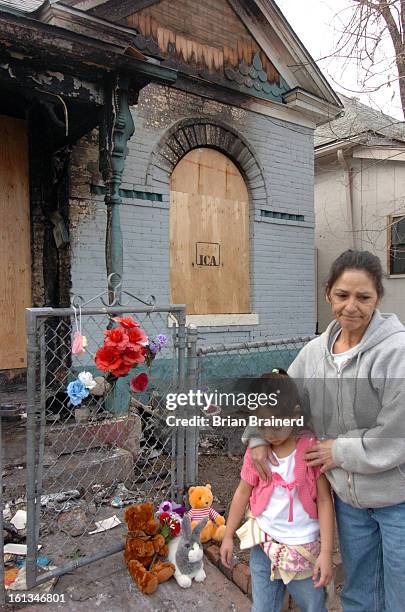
<point>85,463</point>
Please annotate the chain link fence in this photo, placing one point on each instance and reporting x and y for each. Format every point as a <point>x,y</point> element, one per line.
<point>86,463</point>
<point>226,364</point>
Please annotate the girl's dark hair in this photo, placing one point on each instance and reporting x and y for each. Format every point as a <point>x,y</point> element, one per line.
<point>279,383</point>
<point>356,260</point>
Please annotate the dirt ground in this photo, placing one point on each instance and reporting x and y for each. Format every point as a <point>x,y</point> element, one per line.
<point>106,585</point>
<point>223,473</point>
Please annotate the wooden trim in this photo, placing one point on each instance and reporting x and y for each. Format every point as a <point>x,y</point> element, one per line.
<point>395,154</point>
<point>389,244</point>
<point>219,320</point>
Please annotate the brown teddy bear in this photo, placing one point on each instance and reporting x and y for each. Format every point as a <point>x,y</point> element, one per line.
<point>145,548</point>
<point>200,499</point>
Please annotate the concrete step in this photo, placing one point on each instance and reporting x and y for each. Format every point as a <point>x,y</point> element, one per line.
<point>70,471</point>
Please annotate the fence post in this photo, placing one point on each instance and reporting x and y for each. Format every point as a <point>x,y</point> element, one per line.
<point>192,433</point>
<point>181,346</point>
<point>31,560</point>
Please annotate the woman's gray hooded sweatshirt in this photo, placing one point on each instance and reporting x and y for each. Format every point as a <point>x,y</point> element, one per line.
<point>363,406</point>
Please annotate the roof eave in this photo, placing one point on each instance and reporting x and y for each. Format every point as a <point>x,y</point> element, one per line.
<point>17,28</point>
<point>298,50</point>
<point>318,109</point>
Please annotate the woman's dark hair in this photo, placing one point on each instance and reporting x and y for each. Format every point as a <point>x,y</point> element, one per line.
<point>356,260</point>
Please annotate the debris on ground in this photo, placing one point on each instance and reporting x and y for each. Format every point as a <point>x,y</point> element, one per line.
<point>16,549</point>
<point>11,534</point>
<point>20,580</point>
<point>6,512</point>
<point>53,500</point>
<point>125,497</point>
<point>106,524</point>
<point>74,522</point>
<point>19,520</point>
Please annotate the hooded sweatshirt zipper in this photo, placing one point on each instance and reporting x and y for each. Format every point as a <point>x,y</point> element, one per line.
<point>350,476</point>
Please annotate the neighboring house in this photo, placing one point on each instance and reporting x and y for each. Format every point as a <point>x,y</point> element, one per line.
<point>217,191</point>
<point>360,197</point>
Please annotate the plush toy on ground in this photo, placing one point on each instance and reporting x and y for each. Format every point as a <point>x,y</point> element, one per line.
<point>200,499</point>
<point>186,553</point>
<point>146,549</point>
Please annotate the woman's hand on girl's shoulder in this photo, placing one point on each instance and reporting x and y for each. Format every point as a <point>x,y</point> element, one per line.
<point>260,456</point>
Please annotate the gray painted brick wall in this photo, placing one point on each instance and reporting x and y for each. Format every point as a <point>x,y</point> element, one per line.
<point>282,252</point>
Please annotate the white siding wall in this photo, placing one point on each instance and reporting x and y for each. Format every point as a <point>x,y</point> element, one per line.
<point>378,191</point>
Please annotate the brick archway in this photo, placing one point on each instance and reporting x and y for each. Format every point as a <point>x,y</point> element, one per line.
<point>193,133</point>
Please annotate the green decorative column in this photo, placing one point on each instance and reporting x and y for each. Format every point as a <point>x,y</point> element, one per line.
<point>115,131</point>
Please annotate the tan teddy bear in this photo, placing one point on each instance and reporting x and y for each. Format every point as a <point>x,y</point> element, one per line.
<point>200,499</point>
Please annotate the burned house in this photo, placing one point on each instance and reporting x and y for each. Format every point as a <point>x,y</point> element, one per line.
<point>169,142</point>
<point>188,127</point>
<point>56,86</point>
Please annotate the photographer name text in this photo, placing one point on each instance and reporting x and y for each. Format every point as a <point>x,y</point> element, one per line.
<point>219,421</point>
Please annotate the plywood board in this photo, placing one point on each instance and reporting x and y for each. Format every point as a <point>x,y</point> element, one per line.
<point>209,235</point>
<point>15,249</point>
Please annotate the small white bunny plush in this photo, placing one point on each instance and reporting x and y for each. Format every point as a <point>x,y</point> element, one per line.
<point>186,553</point>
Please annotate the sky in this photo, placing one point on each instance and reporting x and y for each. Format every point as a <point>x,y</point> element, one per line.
<point>318,24</point>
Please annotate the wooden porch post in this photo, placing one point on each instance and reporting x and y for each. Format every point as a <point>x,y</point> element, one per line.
<point>115,132</point>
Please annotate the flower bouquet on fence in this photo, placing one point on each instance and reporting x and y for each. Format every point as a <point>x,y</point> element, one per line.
<point>126,346</point>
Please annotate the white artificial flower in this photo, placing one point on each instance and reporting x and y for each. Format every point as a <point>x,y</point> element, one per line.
<point>86,378</point>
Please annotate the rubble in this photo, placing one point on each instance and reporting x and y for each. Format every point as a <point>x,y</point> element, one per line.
<point>74,522</point>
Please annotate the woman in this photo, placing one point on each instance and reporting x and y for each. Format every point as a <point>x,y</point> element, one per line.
<point>353,379</point>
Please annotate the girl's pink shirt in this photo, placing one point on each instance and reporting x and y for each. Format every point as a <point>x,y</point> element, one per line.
<point>305,478</point>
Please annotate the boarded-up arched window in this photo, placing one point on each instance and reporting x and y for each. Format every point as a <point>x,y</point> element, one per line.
<point>209,235</point>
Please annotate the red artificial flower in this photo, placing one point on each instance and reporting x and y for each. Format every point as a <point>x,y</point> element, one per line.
<point>137,336</point>
<point>107,358</point>
<point>163,517</point>
<point>139,383</point>
<point>122,370</point>
<point>174,528</point>
<point>131,356</point>
<point>126,322</point>
<point>116,337</point>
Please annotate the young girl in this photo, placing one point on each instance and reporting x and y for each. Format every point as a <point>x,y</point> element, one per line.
<point>290,511</point>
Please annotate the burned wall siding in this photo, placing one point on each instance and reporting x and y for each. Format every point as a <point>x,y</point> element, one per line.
<point>282,216</point>
<point>49,212</point>
<point>88,217</point>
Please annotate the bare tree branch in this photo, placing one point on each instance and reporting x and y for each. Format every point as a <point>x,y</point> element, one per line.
<point>370,23</point>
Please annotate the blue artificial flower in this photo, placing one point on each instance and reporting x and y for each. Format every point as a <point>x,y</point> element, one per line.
<point>76,392</point>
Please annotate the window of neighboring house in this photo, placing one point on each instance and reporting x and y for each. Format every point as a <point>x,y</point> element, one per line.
<point>397,245</point>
